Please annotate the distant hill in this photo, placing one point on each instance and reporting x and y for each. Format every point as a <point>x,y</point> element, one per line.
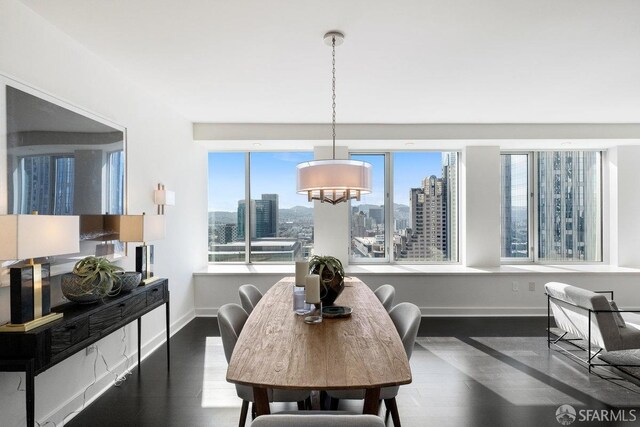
<point>286,215</point>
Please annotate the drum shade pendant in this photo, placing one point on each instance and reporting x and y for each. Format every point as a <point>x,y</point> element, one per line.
<point>334,181</point>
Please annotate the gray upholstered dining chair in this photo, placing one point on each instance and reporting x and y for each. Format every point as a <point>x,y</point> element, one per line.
<point>406,317</point>
<point>386,294</point>
<point>249,297</point>
<point>316,419</point>
<point>231,320</point>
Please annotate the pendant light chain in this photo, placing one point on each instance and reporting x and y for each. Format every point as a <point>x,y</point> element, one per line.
<point>333,89</point>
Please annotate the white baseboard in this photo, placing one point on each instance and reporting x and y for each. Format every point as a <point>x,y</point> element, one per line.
<point>483,311</point>
<point>206,312</point>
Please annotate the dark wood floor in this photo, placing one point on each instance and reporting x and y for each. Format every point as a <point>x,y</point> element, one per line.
<point>466,372</point>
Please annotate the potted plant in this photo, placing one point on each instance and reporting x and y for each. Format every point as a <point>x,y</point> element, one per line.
<point>331,275</point>
<point>91,279</point>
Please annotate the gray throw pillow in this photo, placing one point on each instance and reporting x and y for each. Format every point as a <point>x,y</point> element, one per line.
<point>617,315</point>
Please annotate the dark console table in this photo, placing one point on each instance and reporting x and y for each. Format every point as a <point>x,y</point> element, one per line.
<point>39,349</point>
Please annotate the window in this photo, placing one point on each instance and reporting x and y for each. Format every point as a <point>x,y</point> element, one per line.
<point>514,211</point>
<point>47,184</point>
<point>568,206</point>
<point>421,223</point>
<point>368,225</point>
<point>277,226</point>
<point>425,206</point>
<point>115,192</point>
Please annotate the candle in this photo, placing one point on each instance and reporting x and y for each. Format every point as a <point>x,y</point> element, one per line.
<point>312,289</point>
<point>302,269</point>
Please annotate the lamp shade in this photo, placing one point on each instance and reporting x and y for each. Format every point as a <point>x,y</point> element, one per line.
<point>140,228</point>
<point>35,236</point>
<point>334,180</point>
<point>164,197</point>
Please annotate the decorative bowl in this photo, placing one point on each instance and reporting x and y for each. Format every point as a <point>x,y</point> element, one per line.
<point>128,280</point>
<point>74,290</point>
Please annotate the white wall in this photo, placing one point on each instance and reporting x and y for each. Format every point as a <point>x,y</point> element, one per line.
<point>442,294</point>
<point>160,149</point>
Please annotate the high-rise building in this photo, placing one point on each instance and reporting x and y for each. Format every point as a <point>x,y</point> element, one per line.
<point>226,233</point>
<point>569,207</point>
<point>377,214</point>
<point>450,188</point>
<point>273,217</point>
<point>263,217</point>
<point>427,238</point>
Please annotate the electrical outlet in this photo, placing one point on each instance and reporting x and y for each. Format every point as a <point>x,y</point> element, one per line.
<point>514,286</point>
<point>532,286</point>
<point>90,349</point>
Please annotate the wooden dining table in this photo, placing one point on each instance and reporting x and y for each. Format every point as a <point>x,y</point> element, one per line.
<point>277,350</point>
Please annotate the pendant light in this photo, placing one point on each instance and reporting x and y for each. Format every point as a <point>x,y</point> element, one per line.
<point>334,181</point>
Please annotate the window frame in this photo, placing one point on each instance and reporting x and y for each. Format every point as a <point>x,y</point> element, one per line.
<point>389,216</point>
<point>533,212</point>
<point>247,215</point>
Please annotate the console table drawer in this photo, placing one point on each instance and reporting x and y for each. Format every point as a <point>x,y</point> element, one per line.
<point>104,319</point>
<point>65,336</point>
<point>156,294</point>
<point>133,305</point>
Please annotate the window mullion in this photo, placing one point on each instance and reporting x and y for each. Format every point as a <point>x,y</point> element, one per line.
<point>533,208</point>
<point>247,209</point>
<point>388,203</point>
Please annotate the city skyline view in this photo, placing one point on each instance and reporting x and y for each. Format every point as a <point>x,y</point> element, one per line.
<point>281,221</point>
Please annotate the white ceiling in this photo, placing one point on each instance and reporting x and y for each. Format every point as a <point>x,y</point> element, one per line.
<point>403,61</point>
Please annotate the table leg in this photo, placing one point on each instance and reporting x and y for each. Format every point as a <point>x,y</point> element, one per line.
<point>371,401</point>
<point>139,343</point>
<point>261,399</point>
<point>30,392</point>
<point>168,338</point>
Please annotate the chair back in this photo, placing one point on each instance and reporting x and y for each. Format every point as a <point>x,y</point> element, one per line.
<point>249,297</point>
<point>231,320</point>
<point>386,294</point>
<point>406,317</point>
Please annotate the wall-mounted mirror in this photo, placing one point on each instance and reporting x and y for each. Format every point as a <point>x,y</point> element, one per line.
<point>61,160</point>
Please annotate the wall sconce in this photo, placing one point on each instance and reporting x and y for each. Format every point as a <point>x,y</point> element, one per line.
<point>163,197</point>
<point>35,236</point>
<point>142,228</point>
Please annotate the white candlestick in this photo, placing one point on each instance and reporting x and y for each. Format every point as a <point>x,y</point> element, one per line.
<point>312,289</point>
<point>302,269</point>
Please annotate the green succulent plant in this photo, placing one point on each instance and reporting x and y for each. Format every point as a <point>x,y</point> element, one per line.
<point>97,274</point>
<point>327,267</point>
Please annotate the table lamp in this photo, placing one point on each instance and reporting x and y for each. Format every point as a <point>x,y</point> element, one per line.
<point>34,236</point>
<point>142,228</point>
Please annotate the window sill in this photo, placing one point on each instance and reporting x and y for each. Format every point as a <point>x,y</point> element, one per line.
<point>421,269</point>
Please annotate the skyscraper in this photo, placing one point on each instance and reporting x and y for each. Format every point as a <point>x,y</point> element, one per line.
<point>428,239</point>
<point>450,188</point>
<point>569,208</point>
<point>263,216</point>
<point>273,217</point>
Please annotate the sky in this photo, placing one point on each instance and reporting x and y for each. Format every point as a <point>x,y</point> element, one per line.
<point>276,173</point>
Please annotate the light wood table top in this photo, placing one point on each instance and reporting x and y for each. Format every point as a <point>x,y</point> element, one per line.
<point>276,349</point>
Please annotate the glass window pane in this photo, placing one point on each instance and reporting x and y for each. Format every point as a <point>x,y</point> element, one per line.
<point>569,206</point>
<point>425,206</point>
<point>514,212</point>
<point>35,173</point>
<point>116,182</point>
<point>226,198</point>
<point>281,219</point>
<point>368,214</point>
